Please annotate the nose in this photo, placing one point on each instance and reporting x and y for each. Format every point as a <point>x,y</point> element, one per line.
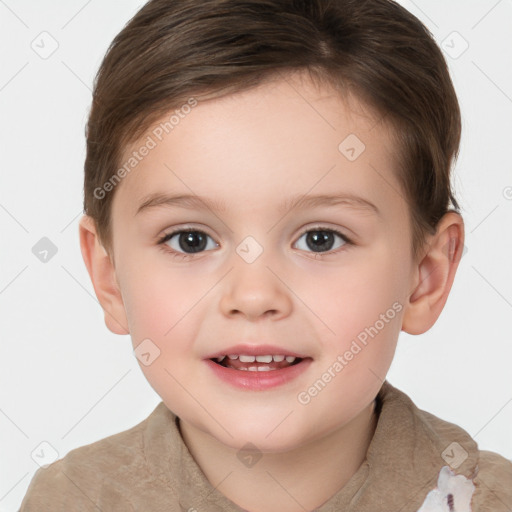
<point>255,291</point>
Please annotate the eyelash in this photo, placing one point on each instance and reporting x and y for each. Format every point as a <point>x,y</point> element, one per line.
<point>184,256</point>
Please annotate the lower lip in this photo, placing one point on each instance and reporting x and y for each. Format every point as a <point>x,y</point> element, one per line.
<point>258,381</point>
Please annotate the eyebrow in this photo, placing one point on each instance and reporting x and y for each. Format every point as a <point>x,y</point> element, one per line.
<point>194,202</point>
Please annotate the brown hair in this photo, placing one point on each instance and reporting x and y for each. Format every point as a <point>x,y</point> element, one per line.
<point>172,50</point>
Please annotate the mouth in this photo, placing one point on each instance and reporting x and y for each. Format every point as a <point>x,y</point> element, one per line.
<point>250,367</point>
<point>259,363</point>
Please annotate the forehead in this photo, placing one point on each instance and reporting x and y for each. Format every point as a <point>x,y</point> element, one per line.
<point>288,134</point>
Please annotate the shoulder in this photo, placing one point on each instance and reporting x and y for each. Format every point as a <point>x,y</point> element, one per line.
<point>63,486</point>
<point>92,477</point>
<point>437,444</point>
<point>493,483</point>
<point>491,473</point>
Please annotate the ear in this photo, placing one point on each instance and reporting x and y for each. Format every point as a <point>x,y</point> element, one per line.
<point>102,273</point>
<point>434,275</point>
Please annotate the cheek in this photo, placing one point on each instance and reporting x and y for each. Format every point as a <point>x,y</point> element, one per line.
<point>374,315</point>
<point>162,310</point>
<point>158,302</point>
<point>351,297</point>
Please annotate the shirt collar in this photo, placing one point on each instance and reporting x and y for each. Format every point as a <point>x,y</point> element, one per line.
<point>404,458</point>
<point>402,464</point>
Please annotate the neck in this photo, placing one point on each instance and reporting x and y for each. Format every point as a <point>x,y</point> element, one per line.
<point>292,481</point>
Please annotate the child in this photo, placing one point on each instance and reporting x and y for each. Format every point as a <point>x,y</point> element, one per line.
<point>267,199</point>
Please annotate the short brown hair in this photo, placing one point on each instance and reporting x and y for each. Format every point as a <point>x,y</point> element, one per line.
<point>172,50</point>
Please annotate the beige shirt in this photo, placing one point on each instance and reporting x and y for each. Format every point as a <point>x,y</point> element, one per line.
<point>149,468</point>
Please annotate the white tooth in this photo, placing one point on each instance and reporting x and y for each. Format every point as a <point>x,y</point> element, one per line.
<point>220,359</point>
<point>243,369</point>
<point>278,359</point>
<point>264,359</point>
<point>233,356</point>
<point>263,368</point>
<point>253,368</point>
<point>247,359</point>
<point>290,359</point>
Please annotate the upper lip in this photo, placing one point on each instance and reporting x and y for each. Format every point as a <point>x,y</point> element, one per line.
<point>256,350</point>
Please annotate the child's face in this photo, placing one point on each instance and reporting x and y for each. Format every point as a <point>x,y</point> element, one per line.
<point>253,153</point>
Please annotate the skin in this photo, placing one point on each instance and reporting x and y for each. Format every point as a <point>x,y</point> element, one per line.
<point>253,150</point>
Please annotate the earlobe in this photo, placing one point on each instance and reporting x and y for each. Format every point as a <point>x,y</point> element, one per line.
<point>434,275</point>
<point>102,273</point>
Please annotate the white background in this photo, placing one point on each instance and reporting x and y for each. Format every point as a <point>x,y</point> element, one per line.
<point>68,381</point>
